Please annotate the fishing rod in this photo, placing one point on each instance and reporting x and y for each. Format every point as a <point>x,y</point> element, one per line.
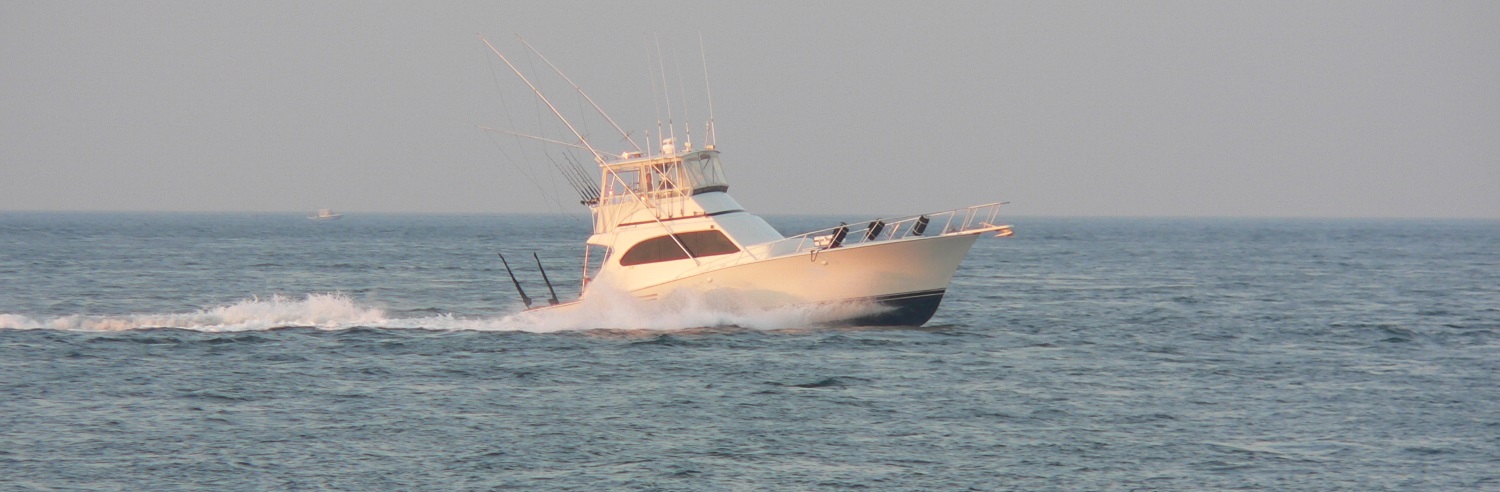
<point>553,300</point>
<point>524,300</point>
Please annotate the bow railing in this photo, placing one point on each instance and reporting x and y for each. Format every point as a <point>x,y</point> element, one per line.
<point>968,220</point>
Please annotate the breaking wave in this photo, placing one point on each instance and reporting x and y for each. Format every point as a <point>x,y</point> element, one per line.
<point>603,309</point>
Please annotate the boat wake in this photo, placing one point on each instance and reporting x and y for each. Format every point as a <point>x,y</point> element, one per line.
<point>328,311</point>
<point>336,311</point>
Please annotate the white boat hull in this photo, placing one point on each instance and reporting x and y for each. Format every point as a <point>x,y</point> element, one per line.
<point>887,283</point>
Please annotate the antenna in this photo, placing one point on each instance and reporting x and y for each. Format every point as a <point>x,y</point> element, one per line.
<point>661,63</point>
<point>712,137</point>
<point>597,156</point>
<point>655,101</point>
<point>682,87</point>
<point>580,91</point>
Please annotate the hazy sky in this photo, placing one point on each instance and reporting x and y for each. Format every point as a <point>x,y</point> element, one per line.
<point>1295,109</point>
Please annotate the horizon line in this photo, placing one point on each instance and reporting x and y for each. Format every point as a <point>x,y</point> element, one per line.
<point>348,212</point>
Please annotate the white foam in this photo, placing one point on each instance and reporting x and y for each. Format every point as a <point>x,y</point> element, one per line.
<point>603,309</point>
<point>17,322</point>
<point>615,310</point>
<point>329,311</point>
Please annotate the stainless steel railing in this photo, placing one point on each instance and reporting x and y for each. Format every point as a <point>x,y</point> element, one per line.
<point>956,221</point>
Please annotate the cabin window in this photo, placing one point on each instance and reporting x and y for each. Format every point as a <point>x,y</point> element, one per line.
<point>622,182</point>
<point>704,173</point>
<point>663,248</point>
<point>663,177</point>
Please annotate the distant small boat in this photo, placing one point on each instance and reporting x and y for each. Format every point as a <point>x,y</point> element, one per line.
<point>325,214</point>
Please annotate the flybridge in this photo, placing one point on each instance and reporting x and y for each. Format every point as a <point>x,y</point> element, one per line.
<point>668,175</point>
<point>643,190</point>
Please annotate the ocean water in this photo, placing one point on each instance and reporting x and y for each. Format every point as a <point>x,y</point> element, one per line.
<point>269,352</point>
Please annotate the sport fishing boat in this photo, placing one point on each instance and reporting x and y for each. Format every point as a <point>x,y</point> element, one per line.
<point>665,224</point>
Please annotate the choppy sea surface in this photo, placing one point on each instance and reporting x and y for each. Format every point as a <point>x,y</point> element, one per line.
<point>270,352</point>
